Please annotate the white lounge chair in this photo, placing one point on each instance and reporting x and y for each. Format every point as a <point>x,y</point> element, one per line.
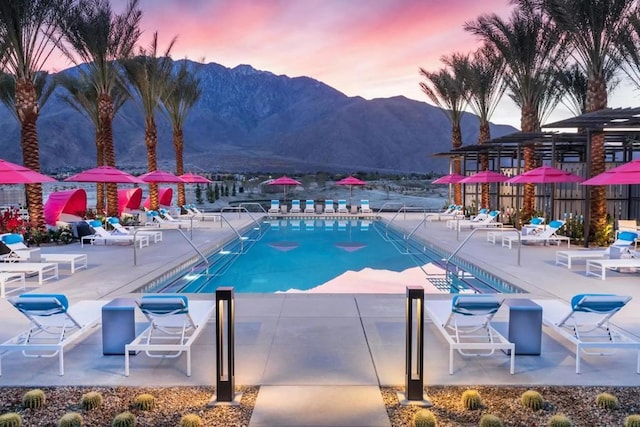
<point>328,207</point>
<point>485,221</point>
<point>275,207</point>
<point>364,207</point>
<point>54,325</point>
<point>622,244</point>
<point>342,206</point>
<point>174,324</point>
<point>75,261</point>
<point>482,214</point>
<point>599,267</point>
<point>452,212</point>
<point>295,206</point>
<point>166,223</point>
<point>193,211</point>
<point>154,235</point>
<point>536,223</point>
<point>168,217</point>
<point>18,250</point>
<point>11,279</point>
<point>585,323</point>
<point>103,236</point>
<point>309,206</point>
<point>45,270</point>
<point>465,322</point>
<point>547,235</point>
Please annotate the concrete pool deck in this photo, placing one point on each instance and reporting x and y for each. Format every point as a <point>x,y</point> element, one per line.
<point>321,358</point>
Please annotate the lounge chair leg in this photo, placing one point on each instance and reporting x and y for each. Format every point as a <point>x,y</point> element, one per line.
<point>126,362</point>
<point>61,360</point>
<point>450,360</point>
<point>513,360</point>
<point>188,362</point>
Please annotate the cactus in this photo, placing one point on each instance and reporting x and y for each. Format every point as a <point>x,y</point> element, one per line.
<point>191,420</point>
<point>424,418</point>
<point>559,420</point>
<point>91,400</point>
<point>471,399</point>
<point>606,401</point>
<point>70,419</point>
<point>532,400</point>
<point>34,399</point>
<point>632,421</point>
<point>145,402</point>
<point>489,420</point>
<point>10,419</point>
<point>124,419</point>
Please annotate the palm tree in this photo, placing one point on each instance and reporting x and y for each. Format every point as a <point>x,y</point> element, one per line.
<point>446,89</point>
<point>180,99</point>
<point>97,38</point>
<point>149,75</point>
<point>27,33</point>
<point>483,78</point>
<point>593,29</point>
<point>532,49</point>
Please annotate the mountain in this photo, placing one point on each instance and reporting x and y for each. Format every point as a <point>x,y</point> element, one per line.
<point>250,120</point>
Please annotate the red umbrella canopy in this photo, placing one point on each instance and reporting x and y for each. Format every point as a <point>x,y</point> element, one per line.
<point>194,179</point>
<point>159,176</point>
<point>452,178</point>
<point>285,180</point>
<point>545,175</point>
<point>351,180</point>
<point>104,174</point>
<point>629,173</point>
<point>11,173</point>
<point>484,177</point>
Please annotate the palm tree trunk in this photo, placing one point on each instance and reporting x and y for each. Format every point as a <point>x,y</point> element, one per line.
<point>178,145</point>
<point>99,162</point>
<point>529,122</point>
<point>105,119</point>
<point>484,136</point>
<point>597,100</point>
<point>456,142</point>
<point>151,142</point>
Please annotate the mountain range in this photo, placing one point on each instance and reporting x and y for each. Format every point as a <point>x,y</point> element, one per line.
<point>250,120</point>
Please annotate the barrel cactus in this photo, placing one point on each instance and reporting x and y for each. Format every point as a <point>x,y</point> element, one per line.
<point>424,418</point>
<point>632,421</point>
<point>10,419</point>
<point>489,420</point>
<point>191,420</point>
<point>606,401</point>
<point>124,419</point>
<point>559,420</point>
<point>34,399</point>
<point>145,402</point>
<point>71,419</point>
<point>471,399</point>
<point>532,400</point>
<point>91,400</point>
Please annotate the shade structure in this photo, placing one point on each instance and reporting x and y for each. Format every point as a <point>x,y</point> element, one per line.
<point>129,199</point>
<point>66,205</point>
<point>351,181</point>
<point>160,176</point>
<point>192,178</point>
<point>285,181</point>
<point>164,198</point>
<point>484,177</point>
<point>452,178</point>
<point>104,174</point>
<point>545,175</point>
<point>629,173</point>
<point>11,173</point>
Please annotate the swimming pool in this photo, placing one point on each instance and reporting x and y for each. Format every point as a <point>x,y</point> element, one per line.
<point>303,254</point>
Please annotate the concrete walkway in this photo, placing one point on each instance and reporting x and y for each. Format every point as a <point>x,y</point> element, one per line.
<point>320,359</point>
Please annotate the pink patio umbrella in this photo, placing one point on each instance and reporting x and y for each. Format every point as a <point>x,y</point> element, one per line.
<point>11,173</point>
<point>160,176</point>
<point>192,178</point>
<point>104,174</point>
<point>351,181</point>
<point>452,178</point>
<point>484,177</point>
<point>285,181</point>
<point>629,173</point>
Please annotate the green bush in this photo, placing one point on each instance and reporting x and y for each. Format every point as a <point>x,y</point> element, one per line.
<point>91,400</point>
<point>34,399</point>
<point>606,401</point>
<point>191,420</point>
<point>559,420</point>
<point>10,419</point>
<point>70,419</point>
<point>632,421</point>
<point>424,418</point>
<point>532,400</point>
<point>145,402</point>
<point>124,419</point>
<point>471,399</point>
<point>489,420</point>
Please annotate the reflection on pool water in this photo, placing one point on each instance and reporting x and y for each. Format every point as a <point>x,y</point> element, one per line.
<point>303,254</point>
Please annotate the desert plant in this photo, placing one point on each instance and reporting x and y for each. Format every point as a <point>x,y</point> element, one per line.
<point>471,399</point>
<point>532,400</point>
<point>124,419</point>
<point>489,420</point>
<point>70,419</point>
<point>606,401</point>
<point>91,400</point>
<point>10,419</point>
<point>191,420</point>
<point>34,399</point>
<point>145,402</point>
<point>424,418</point>
<point>632,421</point>
<point>559,420</point>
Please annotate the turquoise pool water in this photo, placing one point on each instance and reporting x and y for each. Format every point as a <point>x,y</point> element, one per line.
<point>301,254</point>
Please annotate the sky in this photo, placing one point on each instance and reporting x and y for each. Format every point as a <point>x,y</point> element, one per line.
<point>368,48</point>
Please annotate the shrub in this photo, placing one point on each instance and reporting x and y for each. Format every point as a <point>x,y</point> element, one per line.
<point>532,400</point>
<point>559,420</point>
<point>191,420</point>
<point>489,420</point>
<point>91,400</point>
<point>424,418</point>
<point>124,419</point>
<point>471,399</point>
<point>632,421</point>
<point>606,401</point>
<point>10,419</point>
<point>145,402</point>
<point>34,399</point>
<point>70,419</point>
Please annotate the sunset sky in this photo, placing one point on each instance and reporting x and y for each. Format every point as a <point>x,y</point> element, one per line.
<point>368,48</point>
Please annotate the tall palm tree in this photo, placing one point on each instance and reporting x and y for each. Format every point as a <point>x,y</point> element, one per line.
<point>483,74</point>
<point>177,104</point>
<point>149,75</point>
<point>27,39</point>
<point>593,29</point>
<point>532,49</point>
<point>97,38</point>
<point>447,90</point>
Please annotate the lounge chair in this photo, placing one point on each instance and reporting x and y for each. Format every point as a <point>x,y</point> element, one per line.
<point>18,250</point>
<point>622,244</point>
<point>599,267</point>
<point>450,213</point>
<point>342,206</point>
<point>482,214</point>
<point>174,324</point>
<point>364,207</point>
<point>295,206</point>
<point>309,206</point>
<point>585,323</point>
<point>168,217</point>
<point>489,221</point>
<point>45,270</point>
<point>193,211</point>
<point>100,235</point>
<point>547,235</point>
<point>157,219</point>
<point>54,324</point>
<point>328,207</point>
<point>11,279</point>
<point>153,235</point>
<point>275,207</point>
<point>536,223</point>
<point>465,322</point>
